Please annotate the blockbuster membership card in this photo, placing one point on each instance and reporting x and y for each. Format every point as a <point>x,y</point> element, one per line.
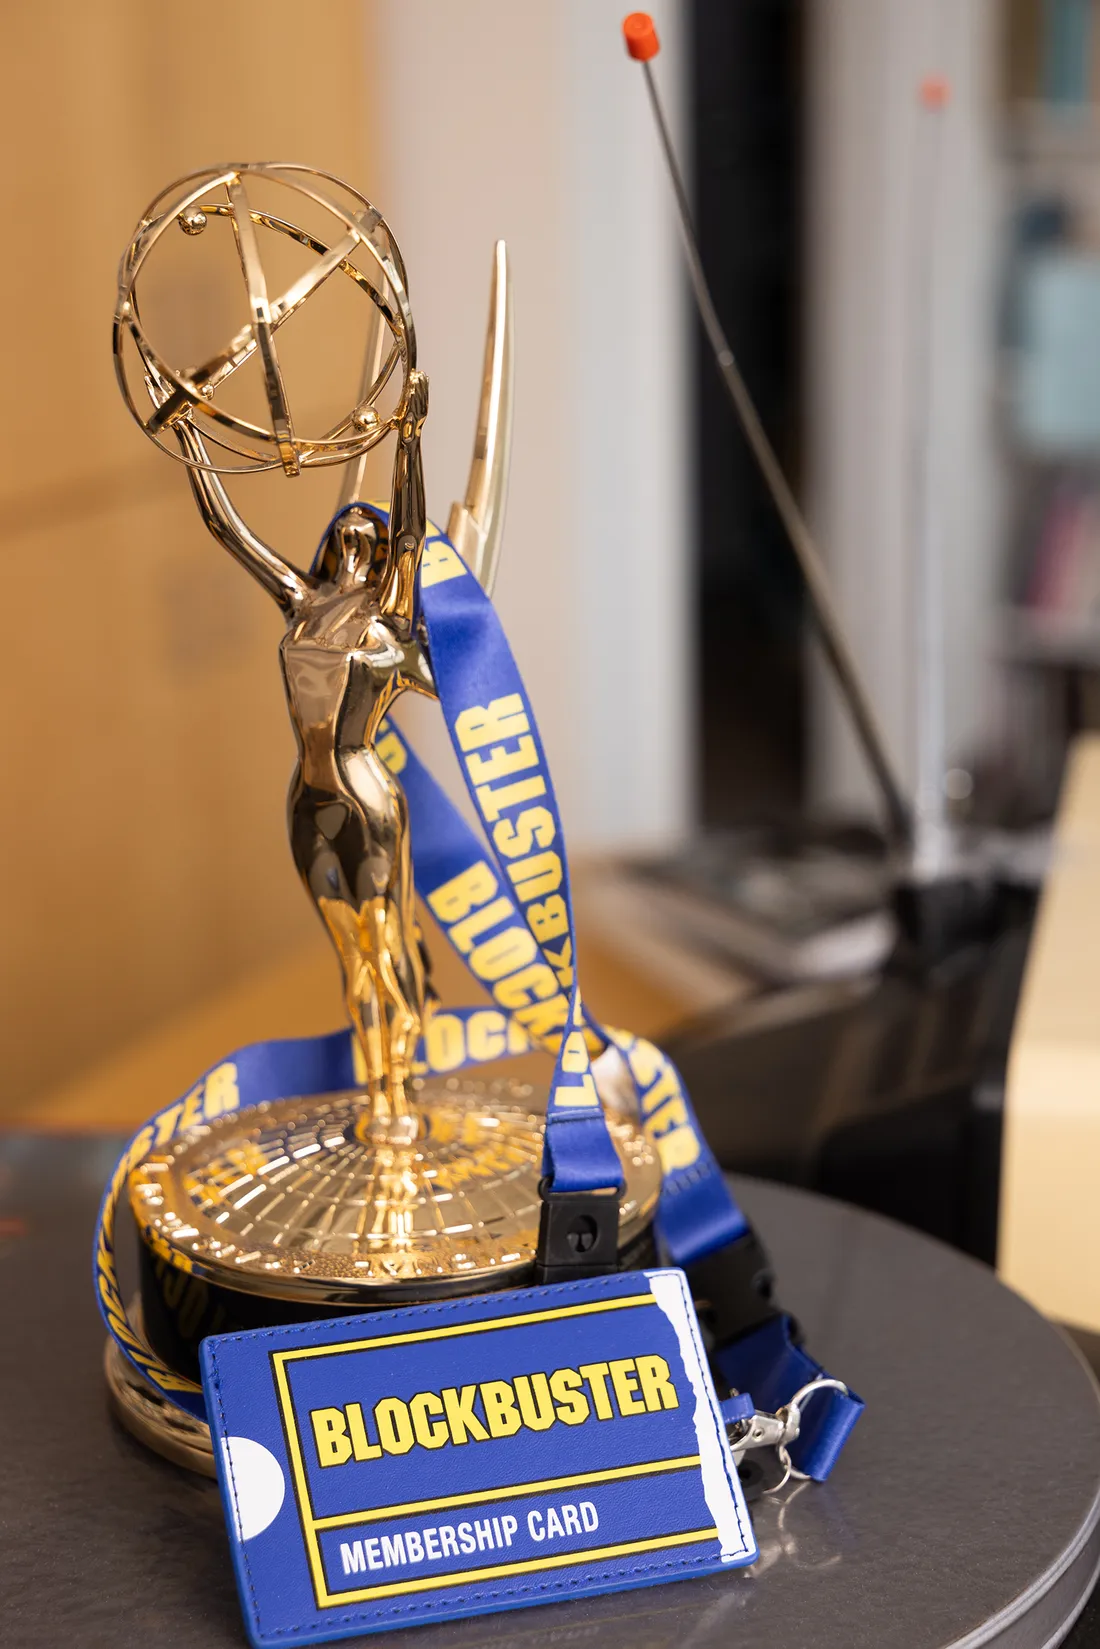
<point>424,1463</point>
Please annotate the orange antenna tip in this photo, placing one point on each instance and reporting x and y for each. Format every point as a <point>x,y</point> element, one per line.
<point>640,36</point>
<point>935,92</point>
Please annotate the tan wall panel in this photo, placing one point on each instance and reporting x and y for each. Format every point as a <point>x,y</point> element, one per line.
<point>142,843</point>
<point>1049,1241</point>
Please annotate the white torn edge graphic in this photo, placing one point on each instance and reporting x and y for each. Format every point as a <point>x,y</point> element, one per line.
<point>721,1490</point>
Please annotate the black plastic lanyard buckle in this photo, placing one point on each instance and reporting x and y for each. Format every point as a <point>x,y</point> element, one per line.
<point>732,1289</point>
<point>578,1234</point>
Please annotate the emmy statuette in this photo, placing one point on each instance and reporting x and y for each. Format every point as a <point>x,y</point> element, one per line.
<point>404,1188</point>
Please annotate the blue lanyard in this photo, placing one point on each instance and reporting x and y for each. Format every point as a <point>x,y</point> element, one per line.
<point>505,905</point>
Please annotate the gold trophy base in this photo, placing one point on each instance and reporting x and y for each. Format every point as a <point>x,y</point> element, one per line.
<point>158,1424</point>
<point>302,1209</point>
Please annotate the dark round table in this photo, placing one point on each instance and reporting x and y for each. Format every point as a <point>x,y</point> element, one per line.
<point>965,1509</point>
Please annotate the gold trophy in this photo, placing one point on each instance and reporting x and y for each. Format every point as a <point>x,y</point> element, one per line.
<point>403,1189</point>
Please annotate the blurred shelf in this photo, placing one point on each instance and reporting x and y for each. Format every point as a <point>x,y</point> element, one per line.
<point>1028,635</point>
<point>1047,456</point>
<point>1052,132</point>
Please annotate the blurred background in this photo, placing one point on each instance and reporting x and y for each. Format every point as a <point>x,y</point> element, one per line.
<point>912,287</point>
<point>144,847</point>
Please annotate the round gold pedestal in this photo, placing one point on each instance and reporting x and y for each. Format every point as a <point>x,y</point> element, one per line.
<point>303,1209</point>
<point>158,1424</point>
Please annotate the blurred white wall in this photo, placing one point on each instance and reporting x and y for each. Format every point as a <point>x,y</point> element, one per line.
<point>866,289</point>
<point>530,122</point>
<point>501,119</point>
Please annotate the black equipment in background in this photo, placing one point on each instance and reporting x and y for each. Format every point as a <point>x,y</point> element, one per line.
<point>887,1090</point>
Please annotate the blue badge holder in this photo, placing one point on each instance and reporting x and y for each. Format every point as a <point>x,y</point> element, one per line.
<point>477,1455</point>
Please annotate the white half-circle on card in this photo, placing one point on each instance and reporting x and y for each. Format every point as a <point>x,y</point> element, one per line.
<point>258,1485</point>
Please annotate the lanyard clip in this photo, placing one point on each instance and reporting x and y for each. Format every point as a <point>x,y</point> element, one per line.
<point>578,1234</point>
<point>748,1428</point>
<point>763,1431</point>
<point>732,1289</point>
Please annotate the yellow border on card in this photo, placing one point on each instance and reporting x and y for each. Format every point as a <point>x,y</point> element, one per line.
<point>311,1524</point>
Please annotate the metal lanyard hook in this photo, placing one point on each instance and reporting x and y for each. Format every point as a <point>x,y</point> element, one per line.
<point>748,1428</point>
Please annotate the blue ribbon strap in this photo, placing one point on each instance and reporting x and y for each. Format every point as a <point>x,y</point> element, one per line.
<point>499,750</point>
<point>773,1367</point>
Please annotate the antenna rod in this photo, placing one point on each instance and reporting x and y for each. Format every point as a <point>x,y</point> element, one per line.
<point>642,44</point>
<point>931,829</point>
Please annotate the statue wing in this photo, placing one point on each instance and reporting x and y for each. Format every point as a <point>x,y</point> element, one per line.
<point>475,526</point>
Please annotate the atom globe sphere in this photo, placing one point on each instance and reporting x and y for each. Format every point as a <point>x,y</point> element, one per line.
<point>179,408</point>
